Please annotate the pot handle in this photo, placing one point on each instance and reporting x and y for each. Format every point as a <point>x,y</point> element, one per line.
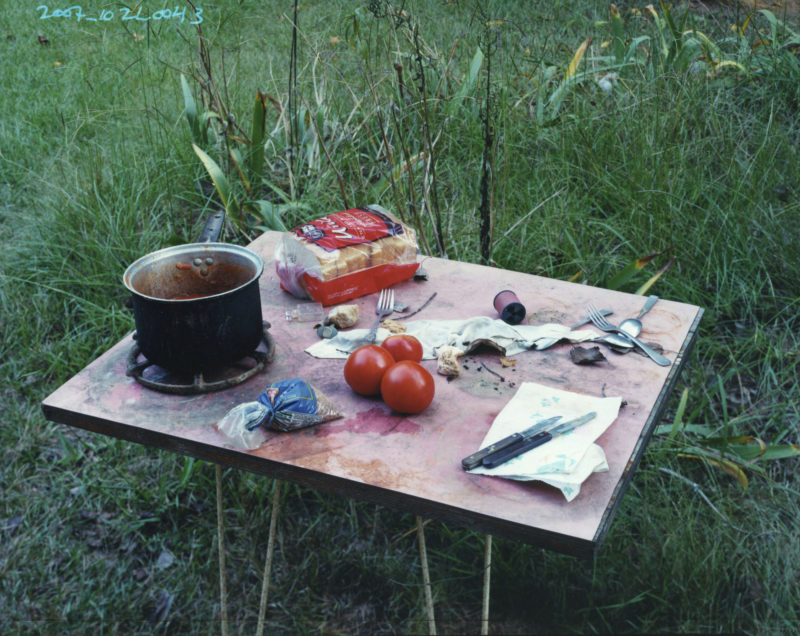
<point>212,228</point>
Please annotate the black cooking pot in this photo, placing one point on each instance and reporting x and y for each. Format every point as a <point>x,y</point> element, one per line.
<point>197,306</point>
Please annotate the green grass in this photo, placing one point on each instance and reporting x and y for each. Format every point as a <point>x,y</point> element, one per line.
<point>97,168</point>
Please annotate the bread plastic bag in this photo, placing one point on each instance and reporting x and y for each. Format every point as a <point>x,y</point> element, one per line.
<point>287,405</point>
<point>345,255</point>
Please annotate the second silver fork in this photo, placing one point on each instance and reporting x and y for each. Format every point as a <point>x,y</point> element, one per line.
<point>384,307</point>
<point>601,323</point>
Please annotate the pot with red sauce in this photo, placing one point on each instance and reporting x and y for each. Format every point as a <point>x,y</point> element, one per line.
<point>197,306</point>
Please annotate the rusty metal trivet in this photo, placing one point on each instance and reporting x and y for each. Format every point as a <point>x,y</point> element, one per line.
<point>198,384</point>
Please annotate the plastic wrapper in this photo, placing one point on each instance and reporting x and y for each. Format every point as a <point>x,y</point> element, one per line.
<point>283,406</point>
<point>346,255</point>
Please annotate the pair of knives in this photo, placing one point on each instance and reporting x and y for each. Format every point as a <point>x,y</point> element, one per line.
<point>518,443</point>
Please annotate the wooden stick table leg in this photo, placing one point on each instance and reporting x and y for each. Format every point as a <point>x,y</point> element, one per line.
<point>487,579</point>
<point>262,609</point>
<point>223,592</point>
<point>426,577</point>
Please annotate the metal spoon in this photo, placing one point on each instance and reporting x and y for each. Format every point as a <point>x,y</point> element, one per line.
<point>631,326</point>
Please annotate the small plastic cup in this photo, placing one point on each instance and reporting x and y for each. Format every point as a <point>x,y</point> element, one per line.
<point>306,312</point>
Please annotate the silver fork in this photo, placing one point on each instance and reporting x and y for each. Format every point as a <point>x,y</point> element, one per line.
<point>384,307</point>
<point>601,323</point>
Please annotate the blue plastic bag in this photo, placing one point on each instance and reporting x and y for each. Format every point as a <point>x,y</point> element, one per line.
<point>287,405</point>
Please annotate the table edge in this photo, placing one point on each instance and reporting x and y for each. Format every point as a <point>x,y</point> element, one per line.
<point>647,432</point>
<point>331,484</point>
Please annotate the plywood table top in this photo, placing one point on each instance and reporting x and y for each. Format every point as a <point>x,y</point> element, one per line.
<point>413,463</point>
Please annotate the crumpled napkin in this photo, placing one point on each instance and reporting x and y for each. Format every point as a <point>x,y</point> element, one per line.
<point>464,334</point>
<point>567,460</point>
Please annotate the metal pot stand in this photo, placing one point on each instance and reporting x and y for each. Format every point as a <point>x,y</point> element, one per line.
<point>156,378</point>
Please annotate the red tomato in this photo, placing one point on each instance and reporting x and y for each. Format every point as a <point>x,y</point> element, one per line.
<point>403,347</point>
<point>407,387</point>
<point>365,368</point>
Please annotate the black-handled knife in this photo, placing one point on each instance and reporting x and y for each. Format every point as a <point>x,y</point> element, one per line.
<point>512,441</point>
<point>502,456</point>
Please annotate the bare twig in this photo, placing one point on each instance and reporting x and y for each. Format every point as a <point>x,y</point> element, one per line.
<point>487,579</point>
<point>419,309</point>
<point>426,577</point>
<point>293,94</point>
<point>322,145</point>
<point>703,496</point>
<point>487,176</point>
<point>428,144</point>
<point>223,588</point>
<point>412,202</point>
<point>524,218</point>
<point>388,146</point>
<point>262,608</point>
<point>495,373</point>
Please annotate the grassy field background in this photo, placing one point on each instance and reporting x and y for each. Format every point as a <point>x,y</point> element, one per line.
<point>555,138</point>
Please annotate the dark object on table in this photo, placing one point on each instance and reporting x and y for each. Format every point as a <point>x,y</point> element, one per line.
<point>579,355</point>
<point>421,273</point>
<point>508,306</point>
<point>326,331</point>
<point>502,456</point>
<point>475,460</point>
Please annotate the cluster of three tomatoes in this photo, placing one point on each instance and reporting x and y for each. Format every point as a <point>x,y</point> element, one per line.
<point>393,371</point>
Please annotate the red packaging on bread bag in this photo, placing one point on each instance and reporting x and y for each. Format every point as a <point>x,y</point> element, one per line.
<point>345,255</point>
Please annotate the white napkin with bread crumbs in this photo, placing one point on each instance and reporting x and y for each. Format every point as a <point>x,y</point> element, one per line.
<point>567,460</point>
<point>464,334</point>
